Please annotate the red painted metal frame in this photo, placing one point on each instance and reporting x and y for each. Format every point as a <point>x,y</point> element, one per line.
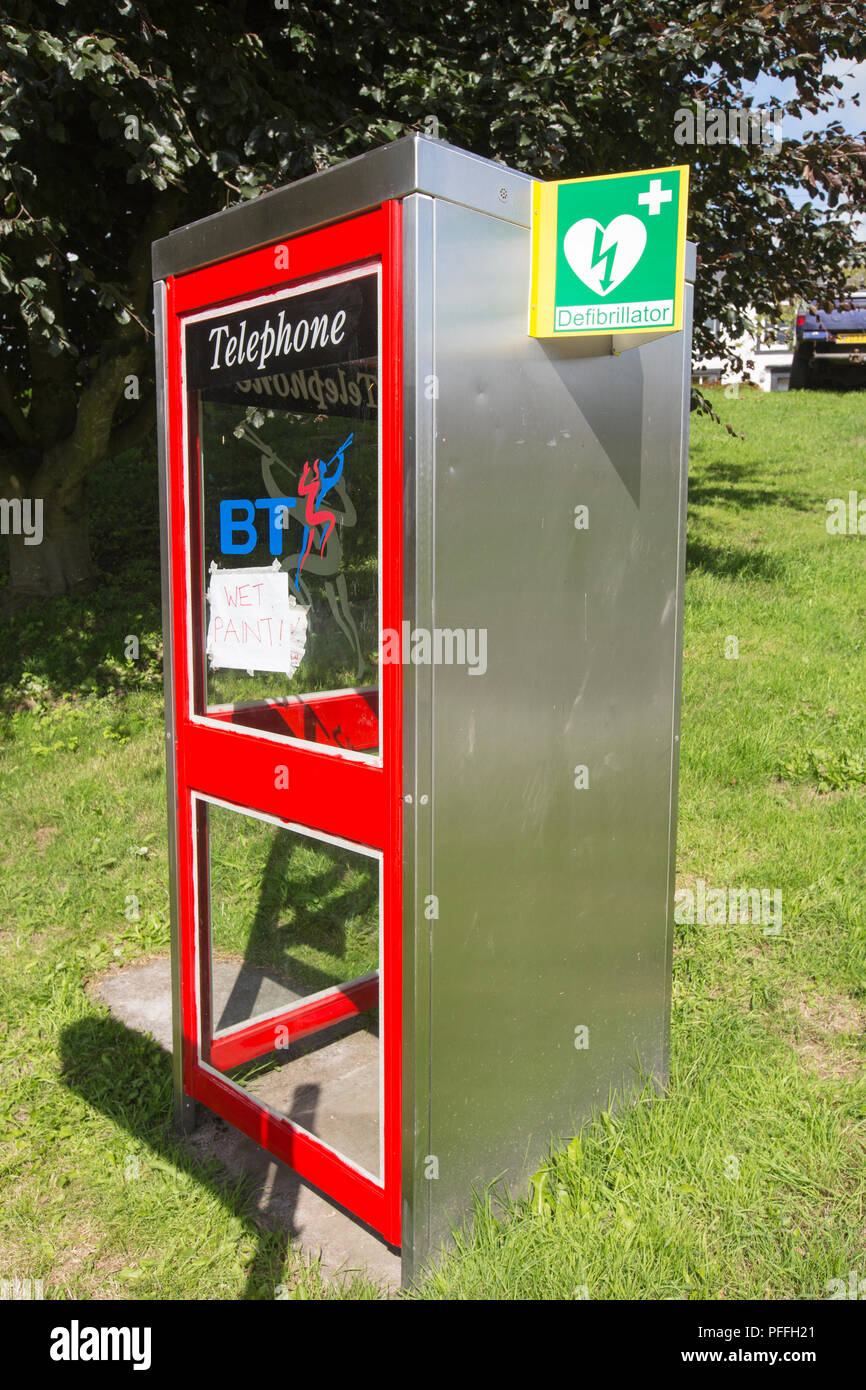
<point>265,1034</point>
<point>341,719</point>
<point>327,791</point>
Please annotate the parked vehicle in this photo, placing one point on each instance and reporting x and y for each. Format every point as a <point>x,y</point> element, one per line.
<point>830,343</point>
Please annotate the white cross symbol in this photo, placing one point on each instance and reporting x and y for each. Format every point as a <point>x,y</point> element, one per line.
<point>655,196</point>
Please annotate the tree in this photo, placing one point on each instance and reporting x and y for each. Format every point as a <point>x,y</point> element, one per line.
<point>120,119</point>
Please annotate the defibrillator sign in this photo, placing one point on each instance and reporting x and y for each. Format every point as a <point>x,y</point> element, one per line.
<point>608,256</point>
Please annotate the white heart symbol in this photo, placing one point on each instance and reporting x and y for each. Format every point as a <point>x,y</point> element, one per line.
<point>602,269</point>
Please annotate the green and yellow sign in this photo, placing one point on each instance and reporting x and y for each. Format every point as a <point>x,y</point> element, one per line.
<point>608,255</point>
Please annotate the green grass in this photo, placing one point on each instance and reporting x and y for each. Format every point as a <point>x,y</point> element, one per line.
<point>746,1179</point>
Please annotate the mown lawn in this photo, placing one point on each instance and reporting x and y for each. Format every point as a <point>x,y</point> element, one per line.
<point>747,1179</point>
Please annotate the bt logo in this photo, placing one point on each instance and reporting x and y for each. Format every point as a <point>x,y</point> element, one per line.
<point>230,524</point>
<point>237,515</point>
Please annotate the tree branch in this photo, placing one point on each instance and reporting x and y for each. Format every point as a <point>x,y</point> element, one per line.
<point>162,217</point>
<point>134,430</point>
<point>14,415</point>
<point>68,462</point>
<point>51,375</point>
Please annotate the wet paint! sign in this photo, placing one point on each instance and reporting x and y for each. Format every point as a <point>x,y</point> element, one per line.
<point>608,255</point>
<point>255,623</point>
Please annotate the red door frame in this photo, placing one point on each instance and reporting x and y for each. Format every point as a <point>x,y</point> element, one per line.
<point>328,791</point>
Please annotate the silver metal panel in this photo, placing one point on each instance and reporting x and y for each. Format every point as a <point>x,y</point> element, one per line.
<point>416,163</point>
<point>184,1106</point>
<point>419,406</point>
<point>552,899</point>
<point>453,175</point>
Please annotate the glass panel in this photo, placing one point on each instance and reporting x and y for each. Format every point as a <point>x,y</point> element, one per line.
<point>328,1084</point>
<point>302,913</point>
<point>284,404</point>
<point>293,946</point>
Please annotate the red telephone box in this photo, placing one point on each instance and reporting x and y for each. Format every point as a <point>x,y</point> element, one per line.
<point>284,430</point>
<point>422,715</point>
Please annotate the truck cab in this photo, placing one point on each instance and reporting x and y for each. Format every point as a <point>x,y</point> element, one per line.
<point>830,343</point>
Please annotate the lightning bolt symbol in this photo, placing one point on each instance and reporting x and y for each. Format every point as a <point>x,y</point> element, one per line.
<point>605,260</point>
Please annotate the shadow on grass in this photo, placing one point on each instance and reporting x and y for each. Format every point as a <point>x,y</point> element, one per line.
<point>76,644</point>
<point>732,561</point>
<point>127,1077</point>
<point>729,485</point>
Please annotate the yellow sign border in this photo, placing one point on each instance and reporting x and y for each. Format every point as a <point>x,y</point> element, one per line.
<point>542,287</point>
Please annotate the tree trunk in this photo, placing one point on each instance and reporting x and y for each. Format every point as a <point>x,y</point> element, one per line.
<point>60,563</point>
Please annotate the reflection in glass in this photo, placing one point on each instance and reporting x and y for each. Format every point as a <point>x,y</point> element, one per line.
<point>295,930</point>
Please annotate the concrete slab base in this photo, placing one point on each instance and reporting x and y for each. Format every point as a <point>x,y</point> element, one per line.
<point>328,1083</point>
